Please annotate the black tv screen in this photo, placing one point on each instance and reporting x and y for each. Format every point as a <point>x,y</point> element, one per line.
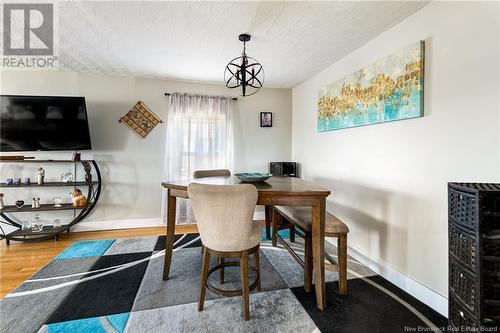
<point>31,123</point>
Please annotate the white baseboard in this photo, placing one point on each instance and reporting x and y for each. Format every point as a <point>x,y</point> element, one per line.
<point>117,224</point>
<point>412,287</point>
<point>130,223</point>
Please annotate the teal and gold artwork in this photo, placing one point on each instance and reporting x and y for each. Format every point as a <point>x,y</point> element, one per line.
<point>390,89</point>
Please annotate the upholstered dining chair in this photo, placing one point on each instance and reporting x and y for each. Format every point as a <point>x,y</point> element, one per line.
<point>211,173</point>
<point>224,214</point>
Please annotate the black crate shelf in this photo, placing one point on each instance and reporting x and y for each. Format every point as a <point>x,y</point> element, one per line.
<point>463,246</point>
<point>463,284</point>
<point>474,253</point>
<point>458,315</point>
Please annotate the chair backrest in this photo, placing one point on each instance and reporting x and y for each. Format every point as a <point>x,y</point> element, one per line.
<point>224,214</point>
<point>211,173</point>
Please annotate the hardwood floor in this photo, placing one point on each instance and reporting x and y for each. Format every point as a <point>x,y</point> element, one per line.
<point>19,261</point>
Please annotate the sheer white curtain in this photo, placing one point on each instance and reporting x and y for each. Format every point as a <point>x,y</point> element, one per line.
<point>199,136</point>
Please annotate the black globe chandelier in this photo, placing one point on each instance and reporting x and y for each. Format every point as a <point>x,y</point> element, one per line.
<point>244,72</point>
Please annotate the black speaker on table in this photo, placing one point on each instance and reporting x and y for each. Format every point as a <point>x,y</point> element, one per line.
<point>283,169</point>
<point>288,169</point>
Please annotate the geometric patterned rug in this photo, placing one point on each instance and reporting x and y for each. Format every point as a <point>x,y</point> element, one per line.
<point>116,286</point>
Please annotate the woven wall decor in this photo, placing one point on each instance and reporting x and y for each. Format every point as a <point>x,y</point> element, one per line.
<point>140,119</point>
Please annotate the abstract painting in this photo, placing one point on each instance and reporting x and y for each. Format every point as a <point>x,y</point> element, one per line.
<point>390,89</point>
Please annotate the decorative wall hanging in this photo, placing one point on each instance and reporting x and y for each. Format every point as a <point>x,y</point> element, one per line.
<point>141,119</point>
<point>244,72</point>
<point>266,119</point>
<point>390,89</point>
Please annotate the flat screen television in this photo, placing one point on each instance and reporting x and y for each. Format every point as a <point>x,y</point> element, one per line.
<point>31,123</point>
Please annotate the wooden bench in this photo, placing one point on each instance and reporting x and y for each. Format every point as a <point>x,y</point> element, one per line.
<point>301,218</point>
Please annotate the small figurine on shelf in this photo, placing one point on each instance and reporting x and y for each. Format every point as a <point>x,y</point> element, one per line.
<point>27,181</point>
<point>88,169</point>
<point>41,176</point>
<point>33,203</point>
<point>78,198</point>
<point>37,203</point>
<point>9,181</point>
<point>19,203</point>
<point>67,177</point>
<point>57,202</point>
<point>1,201</point>
<point>17,181</point>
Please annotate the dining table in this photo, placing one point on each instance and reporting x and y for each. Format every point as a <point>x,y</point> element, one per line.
<point>283,191</point>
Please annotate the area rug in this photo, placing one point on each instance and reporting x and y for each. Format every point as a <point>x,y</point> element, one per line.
<point>116,286</point>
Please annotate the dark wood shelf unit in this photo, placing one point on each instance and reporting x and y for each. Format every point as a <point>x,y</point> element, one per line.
<point>43,208</point>
<point>48,184</point>
<point>474,255</point>
<point>80,213</point>
<point>47,230</point>
<point>44,161</point>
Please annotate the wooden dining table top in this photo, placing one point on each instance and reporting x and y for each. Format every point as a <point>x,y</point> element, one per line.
<point>276,185</point>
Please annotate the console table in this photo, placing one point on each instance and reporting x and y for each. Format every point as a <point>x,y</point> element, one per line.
<point>48,232</point>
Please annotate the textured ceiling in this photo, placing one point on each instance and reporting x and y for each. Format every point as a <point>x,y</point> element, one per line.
<point>195,40</point>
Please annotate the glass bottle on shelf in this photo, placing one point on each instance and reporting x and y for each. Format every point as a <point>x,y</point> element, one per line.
<point>26,225</point>
<point>37,224</point>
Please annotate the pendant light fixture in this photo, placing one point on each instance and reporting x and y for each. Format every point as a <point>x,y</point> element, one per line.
<point>244,72</point>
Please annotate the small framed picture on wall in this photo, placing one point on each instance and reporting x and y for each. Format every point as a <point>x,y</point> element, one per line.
<point>266,119</point>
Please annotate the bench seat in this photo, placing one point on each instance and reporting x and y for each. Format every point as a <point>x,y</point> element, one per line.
<point>301,217</point>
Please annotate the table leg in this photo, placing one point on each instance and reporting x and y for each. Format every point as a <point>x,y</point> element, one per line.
<point>267,212</point>
<point>171,206</point>
<point>318,247</point>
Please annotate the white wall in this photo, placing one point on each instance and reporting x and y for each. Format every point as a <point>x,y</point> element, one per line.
<point>132,167</point>
<point>389,181</point>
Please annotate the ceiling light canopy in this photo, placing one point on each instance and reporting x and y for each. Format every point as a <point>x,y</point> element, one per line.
<point>244,72</point>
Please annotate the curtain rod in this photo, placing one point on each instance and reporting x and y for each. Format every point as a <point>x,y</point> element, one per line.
<point>234,98</point>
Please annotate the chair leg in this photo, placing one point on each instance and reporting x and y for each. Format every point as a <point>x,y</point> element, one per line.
<point>256,258</point>
<point>221,271</point>
<point>292,233</point>
<point>308,267</point>
<point>342,260</point>
<point>267,214</point>
<point>204,278</point>
<point>244,284</point>
<point>275,219</point>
